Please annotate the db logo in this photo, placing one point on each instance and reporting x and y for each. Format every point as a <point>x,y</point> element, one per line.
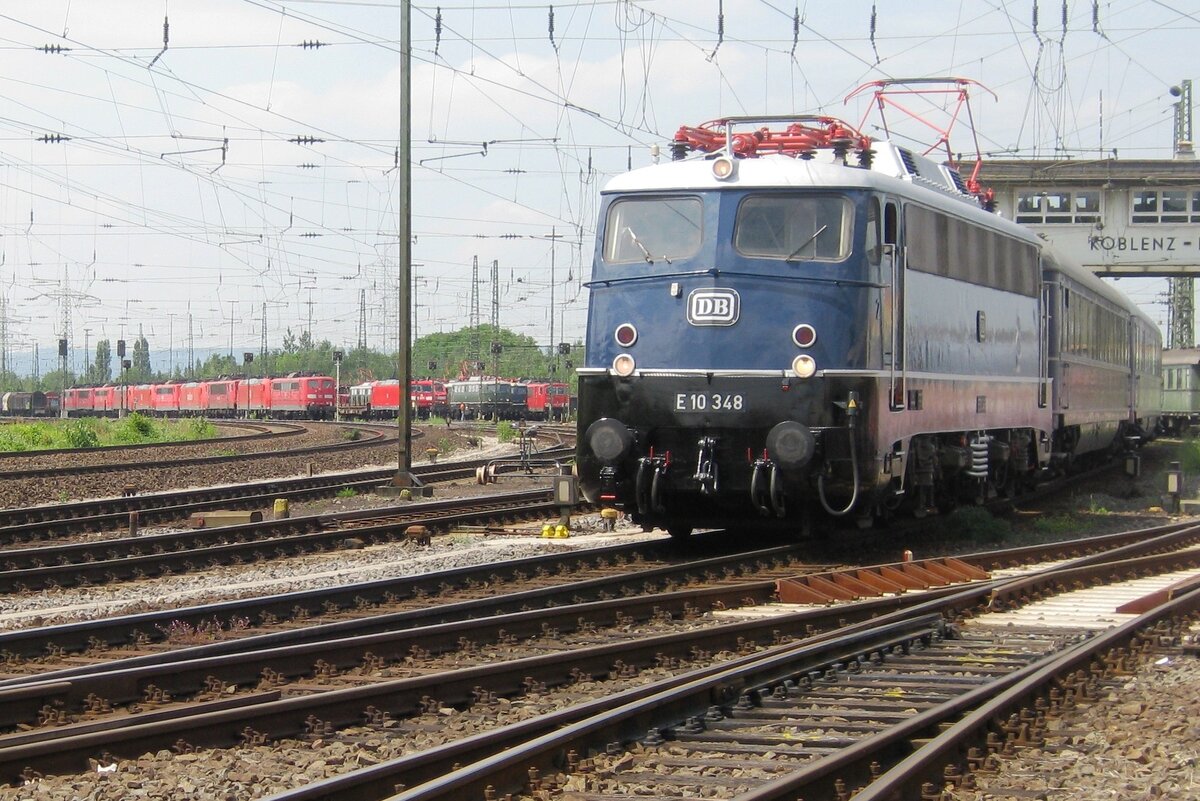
<point>713,307</point>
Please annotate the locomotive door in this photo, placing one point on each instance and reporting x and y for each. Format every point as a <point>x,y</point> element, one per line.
<point>894,267</point>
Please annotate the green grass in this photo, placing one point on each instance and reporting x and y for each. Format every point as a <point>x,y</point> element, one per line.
<point>1189,455</point>
<point>975,524</point>
<point>346,492</point>
<point>134,429</point>
<point>1057,525</point>
<point>506,431</point>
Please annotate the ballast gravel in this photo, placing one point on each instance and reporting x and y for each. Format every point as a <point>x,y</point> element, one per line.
<point>1140,741</point>
<point>314,571</point>
<point>261,771</point>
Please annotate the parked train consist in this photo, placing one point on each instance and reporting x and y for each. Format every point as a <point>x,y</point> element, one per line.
<point>29,404</point>
<point>488,398</point>
<point>293,396</point>
<point>802,319</point>
<point>500,399</point>
<point>1181,390</point>
<point>380,400</point>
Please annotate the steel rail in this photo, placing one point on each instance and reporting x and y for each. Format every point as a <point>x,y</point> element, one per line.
<point>647,580</point>
<point>22,525</point>
<point>1018,693</point>
<point>126,629</point>
<point>343,707</point>
<point>393,637</point>
<point>625,720</point>
<point>510,768</point>
<point>1154,555</point>
<point>518,752</point>
<point>78,636</point>
<point>226,716</point>
<point>194,550</point>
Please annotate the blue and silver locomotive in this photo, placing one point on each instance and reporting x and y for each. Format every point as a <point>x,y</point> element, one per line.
<point>803,319</point>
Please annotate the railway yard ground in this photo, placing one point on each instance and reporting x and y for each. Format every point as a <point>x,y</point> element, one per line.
<point>1133,736</point>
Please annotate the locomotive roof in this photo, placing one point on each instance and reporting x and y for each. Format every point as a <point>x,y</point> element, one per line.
<point>1093,282</point>
<point>1177,356</point>
<point>894,169</point>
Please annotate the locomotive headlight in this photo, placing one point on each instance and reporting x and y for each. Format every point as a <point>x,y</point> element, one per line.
<point>804,365</point>
<point>624,365</point>
<point>804,335</point>
<point>723,168</point>
<point>609,439</point>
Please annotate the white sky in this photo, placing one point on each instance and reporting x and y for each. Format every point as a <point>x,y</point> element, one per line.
<point>146,213</point>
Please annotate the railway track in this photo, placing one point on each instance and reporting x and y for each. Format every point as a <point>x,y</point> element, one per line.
<point>29,524</point>
<point>356,689</point>
<point>554,579</point>
<point>136,558</point>
<point>820,718</point>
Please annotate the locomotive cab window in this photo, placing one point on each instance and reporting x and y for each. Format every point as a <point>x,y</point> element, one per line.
<point>652,229</point>
<point>794,227</point>
<point>871,242</point>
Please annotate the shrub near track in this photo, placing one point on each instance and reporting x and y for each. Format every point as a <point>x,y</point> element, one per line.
<point>134,429</point>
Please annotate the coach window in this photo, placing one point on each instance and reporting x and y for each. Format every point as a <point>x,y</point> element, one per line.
<point>652,230</point>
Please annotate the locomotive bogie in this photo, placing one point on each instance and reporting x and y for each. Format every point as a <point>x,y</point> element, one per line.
<point>708,438</point>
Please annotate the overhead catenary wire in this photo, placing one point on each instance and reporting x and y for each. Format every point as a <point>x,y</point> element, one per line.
<point>243,212</point>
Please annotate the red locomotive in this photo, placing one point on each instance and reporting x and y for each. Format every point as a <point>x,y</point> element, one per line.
<point>297,396</point>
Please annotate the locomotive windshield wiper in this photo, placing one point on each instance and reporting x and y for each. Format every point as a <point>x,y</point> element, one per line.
<point>641,247</point>
<point>807,242</point>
